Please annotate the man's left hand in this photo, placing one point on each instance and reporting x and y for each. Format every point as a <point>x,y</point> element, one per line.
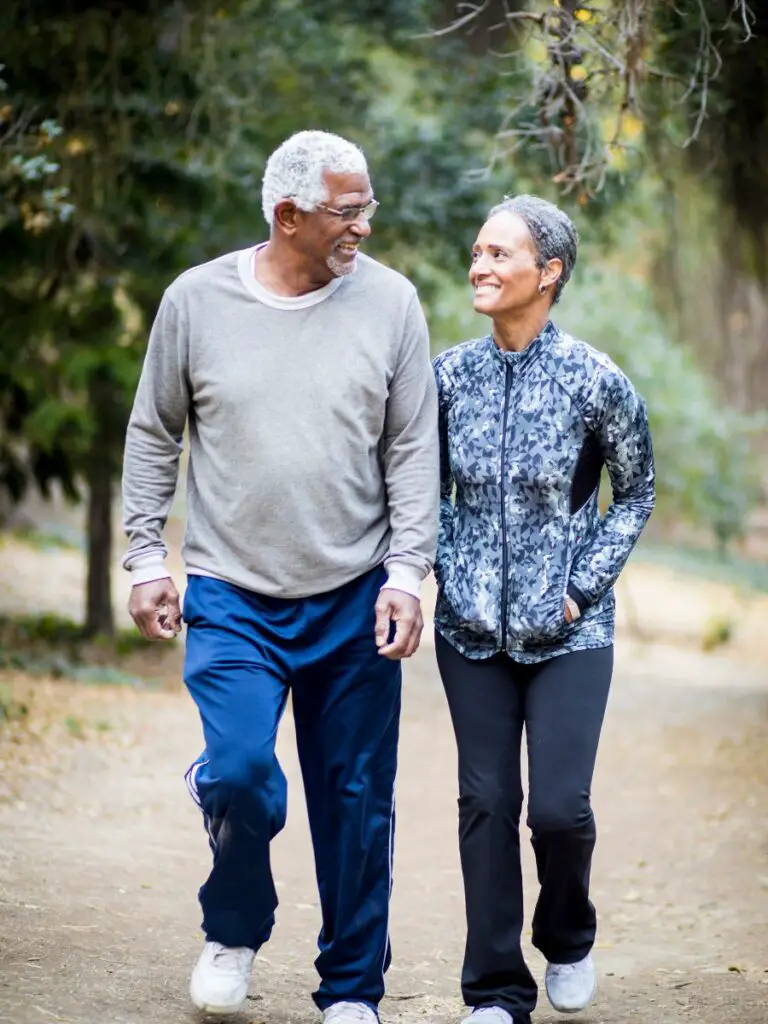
<point>405,611</point>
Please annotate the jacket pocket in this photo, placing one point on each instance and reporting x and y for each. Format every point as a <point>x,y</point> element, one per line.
<point>537,613</point>
<point>552,626</point>
<point>470,597</point>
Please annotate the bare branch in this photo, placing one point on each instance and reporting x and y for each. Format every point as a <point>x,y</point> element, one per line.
<point>703,73</point>
<point>19,129</point>
<point>512,16</point>
<point>746,16</point>
<point>475,11</point>
<point>595,55</point>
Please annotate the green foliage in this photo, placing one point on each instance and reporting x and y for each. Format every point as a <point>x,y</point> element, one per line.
<point>154,122</point>
<point>70,336</point>
<point>717,632</point>
<point>404,102</point>
<point>132,143</point>
<point>28,176</point>
<point>56,630</point>
<point>11,710</point>
<point>46,629</point>
<point>706,470</point>
<point>53,646</point>
<point>43,540</point>
<point>158,122</point>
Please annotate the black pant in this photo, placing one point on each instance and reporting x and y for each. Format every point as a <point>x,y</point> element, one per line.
<point>562,703</point>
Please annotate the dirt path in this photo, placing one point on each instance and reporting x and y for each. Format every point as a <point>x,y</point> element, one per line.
<point>102,852</point>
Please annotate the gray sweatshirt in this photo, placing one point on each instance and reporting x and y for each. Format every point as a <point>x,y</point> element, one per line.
<point>312,432</point>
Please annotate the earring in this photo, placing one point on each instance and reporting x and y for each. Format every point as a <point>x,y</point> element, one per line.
<point>542,289</point>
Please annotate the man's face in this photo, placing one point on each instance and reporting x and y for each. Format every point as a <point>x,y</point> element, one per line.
<point>330,239</point>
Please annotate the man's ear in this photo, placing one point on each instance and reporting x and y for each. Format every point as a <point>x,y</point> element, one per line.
<point>285,216</point>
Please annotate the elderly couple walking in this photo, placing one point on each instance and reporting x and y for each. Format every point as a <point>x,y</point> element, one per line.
<point>328,462</point>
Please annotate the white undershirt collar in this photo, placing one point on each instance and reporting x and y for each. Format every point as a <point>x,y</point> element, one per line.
<point>246,265</point>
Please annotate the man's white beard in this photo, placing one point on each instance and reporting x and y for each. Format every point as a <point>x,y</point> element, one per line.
<point>339,269</point>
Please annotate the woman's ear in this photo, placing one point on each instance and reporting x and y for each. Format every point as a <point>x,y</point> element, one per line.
<point>551,273</point>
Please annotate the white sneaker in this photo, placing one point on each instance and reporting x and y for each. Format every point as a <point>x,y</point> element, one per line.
<point>349,1013</point>
<point>489,1015</point>
<point>221,978</point>
<point>571,987</point>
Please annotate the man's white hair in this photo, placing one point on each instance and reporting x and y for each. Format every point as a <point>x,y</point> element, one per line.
<point>296,168</point>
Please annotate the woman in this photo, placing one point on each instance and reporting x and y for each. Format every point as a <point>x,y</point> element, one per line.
<point>525,615</point>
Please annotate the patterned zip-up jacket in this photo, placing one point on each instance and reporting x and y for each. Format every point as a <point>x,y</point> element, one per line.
<point>523,439</point>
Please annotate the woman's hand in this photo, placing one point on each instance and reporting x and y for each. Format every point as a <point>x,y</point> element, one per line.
<point>571,610</point>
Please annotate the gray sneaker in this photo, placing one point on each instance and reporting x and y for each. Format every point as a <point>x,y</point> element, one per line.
<point>221,978</point>
<point>348,1012</point>
<point>489,1015</point>
<point>571,987</point>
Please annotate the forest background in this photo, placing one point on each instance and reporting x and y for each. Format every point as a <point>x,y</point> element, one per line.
<point>133,138</point>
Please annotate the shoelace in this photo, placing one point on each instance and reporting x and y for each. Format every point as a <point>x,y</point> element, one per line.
<point>352,1011</point>
<point>231,958</point>
<point>564,968</point>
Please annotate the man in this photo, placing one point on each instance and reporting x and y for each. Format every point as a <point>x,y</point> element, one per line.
<point>301,368</point>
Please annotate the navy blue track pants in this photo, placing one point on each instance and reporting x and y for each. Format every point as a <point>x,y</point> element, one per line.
<point>245,652</point>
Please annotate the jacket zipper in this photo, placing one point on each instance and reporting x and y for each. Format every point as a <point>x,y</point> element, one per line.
<point>504,565</point>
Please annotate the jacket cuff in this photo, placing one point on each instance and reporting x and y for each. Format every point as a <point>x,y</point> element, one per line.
<point>578,596</point>
<point>406,578</point>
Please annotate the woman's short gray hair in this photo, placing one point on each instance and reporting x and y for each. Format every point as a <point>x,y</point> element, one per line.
<point>296,168</point>
<point>552,231</point>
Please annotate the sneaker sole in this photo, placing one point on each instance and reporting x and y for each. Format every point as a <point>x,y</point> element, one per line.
<point>205,1007</point>
<point>572,1009</point>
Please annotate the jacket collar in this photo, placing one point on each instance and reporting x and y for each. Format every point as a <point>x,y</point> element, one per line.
<point>531,352</point>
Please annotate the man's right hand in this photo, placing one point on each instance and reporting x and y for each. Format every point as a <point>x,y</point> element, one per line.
<point>155,609</point>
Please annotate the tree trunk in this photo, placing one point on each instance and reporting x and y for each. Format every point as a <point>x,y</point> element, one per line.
<point>99,617</point>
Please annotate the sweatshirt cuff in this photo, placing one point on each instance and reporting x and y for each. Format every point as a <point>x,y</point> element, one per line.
<point>406,578</point>
<point>147,569</point>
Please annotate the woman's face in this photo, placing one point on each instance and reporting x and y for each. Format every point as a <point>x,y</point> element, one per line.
<point>503,273</point>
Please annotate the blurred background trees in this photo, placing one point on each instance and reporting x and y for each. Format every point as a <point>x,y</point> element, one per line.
<point>133,137</point>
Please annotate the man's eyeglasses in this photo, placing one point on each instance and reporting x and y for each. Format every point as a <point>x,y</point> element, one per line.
<point>349,214</point>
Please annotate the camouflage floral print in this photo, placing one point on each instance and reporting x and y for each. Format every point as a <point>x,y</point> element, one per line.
<point>523,439</point>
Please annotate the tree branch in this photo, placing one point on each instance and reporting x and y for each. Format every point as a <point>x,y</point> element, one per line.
<point>476,9</point>
<point>746,16</point>
<point>596,56</point>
